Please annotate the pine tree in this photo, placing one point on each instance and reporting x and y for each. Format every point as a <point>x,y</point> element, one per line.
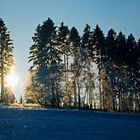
<point>137,77</point>
<point>121,72</point>
<point>110,47</point>
<point>44,51</point>
<point>132,64</point>
<point>87,41</point>
<point>64,48</point>
<point>88,55</point>
<point>65,51</point>
<point>76,67</point>
<point>6,54</point>
<point>45,55</point>
<point>99,43</point>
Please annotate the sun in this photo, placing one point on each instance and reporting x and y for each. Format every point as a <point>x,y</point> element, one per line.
<point>11,79</point>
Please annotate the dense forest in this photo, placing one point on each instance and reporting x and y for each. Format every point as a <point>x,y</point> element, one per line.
<point>69,70</point>
<point>91,70</point>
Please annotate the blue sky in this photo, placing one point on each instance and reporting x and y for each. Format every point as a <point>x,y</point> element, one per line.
<point>23,16</point>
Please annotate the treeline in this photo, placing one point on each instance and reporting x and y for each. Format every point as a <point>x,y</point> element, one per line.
<point>62,72</point>
<point>6,62</point>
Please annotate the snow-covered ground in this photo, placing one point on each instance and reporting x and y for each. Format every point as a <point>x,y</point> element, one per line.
<point>45,124</point>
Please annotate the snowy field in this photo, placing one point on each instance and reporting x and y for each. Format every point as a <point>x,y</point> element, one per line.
<point>17,124</point>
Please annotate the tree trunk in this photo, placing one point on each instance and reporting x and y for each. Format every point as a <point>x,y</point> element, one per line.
<point>79,97</point>
<point>75,94</point>
<point>52,102</point>
<point>119,98</point>
<point>100,92</point>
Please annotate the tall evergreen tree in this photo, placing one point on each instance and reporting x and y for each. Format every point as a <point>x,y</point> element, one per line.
<point>99,47</point>
<point>87,41</point>
<point>44,51</point>
<point>120,61</point>
<point>76,68</point>
<point>132,65</point>
<point>110,47</point>
<point>65,51</point>
<point>88,55</point>
<point>44,54</point>
<point>6,54</point>
<point>137,78</point>
<point>64,48</point>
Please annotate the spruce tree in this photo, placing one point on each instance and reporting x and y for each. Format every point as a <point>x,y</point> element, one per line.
<point>45,56</point>
<point>88,55</point>
<point>99,47</point>
<point>6,55</point>
<point>110,47</point>
<point>75,45</point>
<point>65,50</point>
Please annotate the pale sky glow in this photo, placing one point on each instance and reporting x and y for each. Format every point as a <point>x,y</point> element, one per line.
<point>12,79</point>
<point>23,16</point>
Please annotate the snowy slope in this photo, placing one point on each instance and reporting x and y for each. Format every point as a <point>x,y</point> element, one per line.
<point>17,124</point>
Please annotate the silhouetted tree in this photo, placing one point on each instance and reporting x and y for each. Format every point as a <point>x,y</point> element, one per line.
<point>6,55</point>
<point>88,56</point>
<point>110,47</point>
<point>76,67</point>
<point>65,51</point>
<point>99,46</point>
<point>45,56</point>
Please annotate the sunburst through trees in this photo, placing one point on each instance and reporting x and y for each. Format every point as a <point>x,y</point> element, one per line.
<point>6,62</point>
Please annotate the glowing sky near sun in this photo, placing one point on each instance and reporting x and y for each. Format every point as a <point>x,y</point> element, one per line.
<point>12,79</point>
